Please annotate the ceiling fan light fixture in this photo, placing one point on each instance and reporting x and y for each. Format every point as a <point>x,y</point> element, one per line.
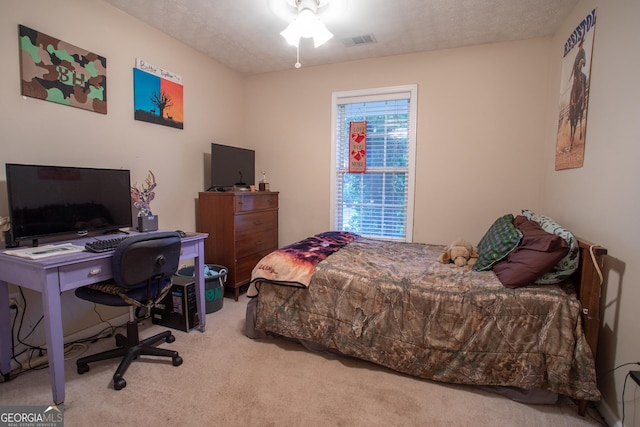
<point>291,34</point>
<point>307,25</point>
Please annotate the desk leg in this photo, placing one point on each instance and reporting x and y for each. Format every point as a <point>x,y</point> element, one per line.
<point>199,276</point>
<point>55,338</point>
<point>5,331</point>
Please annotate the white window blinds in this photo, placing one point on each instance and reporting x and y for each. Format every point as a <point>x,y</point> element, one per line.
<point>378,202</point>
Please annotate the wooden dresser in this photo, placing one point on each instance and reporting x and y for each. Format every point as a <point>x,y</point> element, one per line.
<point>242,228</point>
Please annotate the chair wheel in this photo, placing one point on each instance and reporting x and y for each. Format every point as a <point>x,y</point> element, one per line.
<point>119,384</point>
<point>171,338</point>
<point>176,360</point>
<point>121,340</point>
<point>83,368</point>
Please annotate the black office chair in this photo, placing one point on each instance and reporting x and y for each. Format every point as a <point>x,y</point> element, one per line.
<point>143,266</point>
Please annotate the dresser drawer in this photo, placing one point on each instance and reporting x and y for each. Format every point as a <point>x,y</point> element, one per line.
<point>250,223</point>
<point>254,202</point>
<point>85,273</point>
<point>256,242</point>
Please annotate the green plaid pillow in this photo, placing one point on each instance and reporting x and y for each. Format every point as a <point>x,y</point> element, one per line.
<point>567,265</point>
<point>497,243</point>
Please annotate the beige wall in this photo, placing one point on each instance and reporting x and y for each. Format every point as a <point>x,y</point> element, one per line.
<point>601,200</point>
<point>36,131</point>
<point>43,132</point>
<point>479,135</point>
<point>486,136</point>
<point>487,123</point>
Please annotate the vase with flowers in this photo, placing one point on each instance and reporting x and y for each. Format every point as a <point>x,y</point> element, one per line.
<point>142,197</point>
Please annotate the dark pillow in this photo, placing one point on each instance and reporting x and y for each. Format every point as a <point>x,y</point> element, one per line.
<point>536,254</point>
<point>501,238</point>
<point>569,263</point>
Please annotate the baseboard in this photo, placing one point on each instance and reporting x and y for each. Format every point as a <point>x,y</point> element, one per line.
<point>609,417</point>
<point>96,329</point>
<point>77,336</point>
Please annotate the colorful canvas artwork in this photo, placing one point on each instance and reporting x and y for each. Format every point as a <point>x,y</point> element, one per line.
<point>56,71</point>
<point>157,95</point>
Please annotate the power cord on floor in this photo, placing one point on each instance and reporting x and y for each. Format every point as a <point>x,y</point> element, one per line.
<point>42,361</point>
<point>38,358</point>
<point>624,386</point>
<point>618,367</point>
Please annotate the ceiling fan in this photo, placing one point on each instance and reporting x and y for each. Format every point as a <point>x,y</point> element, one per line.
<point>304,22</point>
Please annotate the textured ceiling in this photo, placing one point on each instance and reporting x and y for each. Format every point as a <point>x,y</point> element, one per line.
<point>245,34</point>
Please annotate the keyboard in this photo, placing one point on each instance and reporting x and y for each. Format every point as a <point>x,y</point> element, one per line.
<point>104,245</point>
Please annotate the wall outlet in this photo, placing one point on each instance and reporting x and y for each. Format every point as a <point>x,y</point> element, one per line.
<point>14,298</point>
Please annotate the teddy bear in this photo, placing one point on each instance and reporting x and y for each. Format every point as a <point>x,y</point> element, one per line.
<point>460,252</point>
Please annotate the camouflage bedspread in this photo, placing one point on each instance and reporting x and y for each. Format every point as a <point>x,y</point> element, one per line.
<point>395,305</point>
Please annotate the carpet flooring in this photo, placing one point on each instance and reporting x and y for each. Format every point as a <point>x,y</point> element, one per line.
<point>230,380</point>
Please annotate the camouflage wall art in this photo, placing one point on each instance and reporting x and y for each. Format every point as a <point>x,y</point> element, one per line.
<point>59,72</point>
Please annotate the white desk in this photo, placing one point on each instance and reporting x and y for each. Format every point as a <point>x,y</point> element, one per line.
<point>60,273</point>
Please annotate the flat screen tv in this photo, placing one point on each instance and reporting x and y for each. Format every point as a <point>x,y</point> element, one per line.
<point>231,167</point>
<point>47,201</point>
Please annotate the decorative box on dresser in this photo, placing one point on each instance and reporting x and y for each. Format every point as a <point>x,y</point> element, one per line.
<point>242,228</point>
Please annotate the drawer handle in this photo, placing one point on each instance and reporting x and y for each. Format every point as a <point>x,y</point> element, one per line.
<point>259,243</point>
<point>257,222</point>
<point>95,271</point>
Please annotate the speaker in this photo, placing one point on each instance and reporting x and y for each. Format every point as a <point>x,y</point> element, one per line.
<point>148,223</point>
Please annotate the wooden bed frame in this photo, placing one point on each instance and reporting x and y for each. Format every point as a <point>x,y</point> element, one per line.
<point>588,282</point>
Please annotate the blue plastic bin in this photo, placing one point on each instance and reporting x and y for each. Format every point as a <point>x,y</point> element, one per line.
<point>214,280</point>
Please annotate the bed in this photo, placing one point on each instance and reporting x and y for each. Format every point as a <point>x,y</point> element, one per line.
<point>396,305</point>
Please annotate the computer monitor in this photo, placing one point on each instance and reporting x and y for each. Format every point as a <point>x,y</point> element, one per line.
<point>47,201</point>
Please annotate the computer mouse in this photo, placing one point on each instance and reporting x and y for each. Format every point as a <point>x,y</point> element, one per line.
<point>181,233</point>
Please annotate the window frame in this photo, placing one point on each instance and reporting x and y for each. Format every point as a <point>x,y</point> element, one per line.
<point>371,95</point>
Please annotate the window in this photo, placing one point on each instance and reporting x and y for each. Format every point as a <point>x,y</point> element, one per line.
<point>378,202</point>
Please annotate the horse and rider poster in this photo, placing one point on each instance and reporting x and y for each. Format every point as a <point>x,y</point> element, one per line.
<point>574,95</point>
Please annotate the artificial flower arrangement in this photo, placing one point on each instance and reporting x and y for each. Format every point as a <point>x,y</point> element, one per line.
<point>142,197</point>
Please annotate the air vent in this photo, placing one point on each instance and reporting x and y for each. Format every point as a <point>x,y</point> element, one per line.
<point>359,40</point>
